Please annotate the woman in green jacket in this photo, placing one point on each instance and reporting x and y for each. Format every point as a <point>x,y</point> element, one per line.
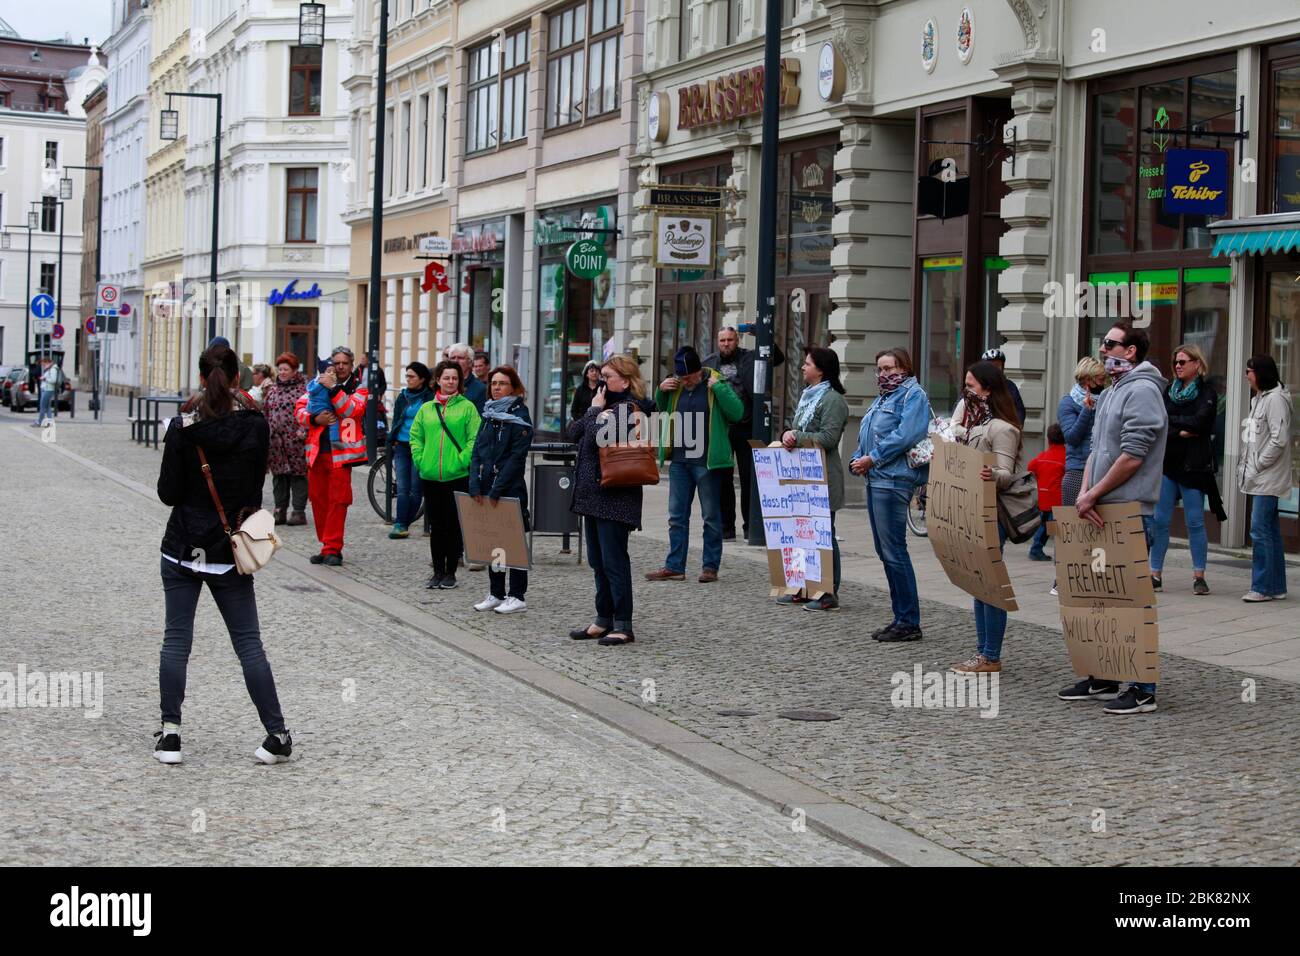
<point>819,418</point>
<point>442,443</point>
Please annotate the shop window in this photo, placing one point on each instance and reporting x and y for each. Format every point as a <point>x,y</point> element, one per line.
<point>582,66</point>
<point>804,239</point>
<point>1112,171</point>
<point>1286,140</point>
<point>304,81</point>
<point>942,279</point>
<point>1283,343</point>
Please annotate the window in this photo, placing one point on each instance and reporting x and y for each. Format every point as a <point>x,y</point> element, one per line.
<point>51,155</point>
<point>49,214</point>
<point>582,68</point>
<point>2,139</point>
<point>1284,130</point>
<point>47,277</point>
<point>424,140</point>
<point>300,206</point>
<point>304,81</point>
<point>4,100</point>
<point>497,102</point>
<point>442,134</point>
<point>406,146</point>
<point>51,102</point>
<point>390,119</point>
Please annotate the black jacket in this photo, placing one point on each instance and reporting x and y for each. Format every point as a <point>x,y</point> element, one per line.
<point>236,446</point>
<point>582,396</point>
<point>499,461</point>
<point>589,498</point>
<point>743,382</point>
<point>1016,400</point>
<point>1191,455</point>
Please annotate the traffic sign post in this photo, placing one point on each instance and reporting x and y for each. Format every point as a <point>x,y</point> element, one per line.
<point>43,306</point>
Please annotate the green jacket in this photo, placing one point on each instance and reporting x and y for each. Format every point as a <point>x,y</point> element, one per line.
<point>432,448</point>
<point>725,408</point>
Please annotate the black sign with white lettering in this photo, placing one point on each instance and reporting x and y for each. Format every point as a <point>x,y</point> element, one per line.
<point>683,198</point>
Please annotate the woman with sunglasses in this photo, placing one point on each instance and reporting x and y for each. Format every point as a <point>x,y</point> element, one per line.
<point>1192,405</point>
<point>1265,473</point>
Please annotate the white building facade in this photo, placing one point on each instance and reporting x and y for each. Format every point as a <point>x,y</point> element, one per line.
<point>283,246</point>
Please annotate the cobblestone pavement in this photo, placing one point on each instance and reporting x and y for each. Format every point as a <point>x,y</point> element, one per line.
<point>1209,779</point>
<point>437,759</point>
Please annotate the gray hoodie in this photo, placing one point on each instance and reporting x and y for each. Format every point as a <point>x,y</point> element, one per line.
<point>1131,419</point>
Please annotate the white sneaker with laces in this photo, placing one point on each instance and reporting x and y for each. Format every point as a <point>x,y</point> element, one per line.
<point>1054,592</point>
<point>511,605</point>
<point>487,604</point>
<point>1254,597</point>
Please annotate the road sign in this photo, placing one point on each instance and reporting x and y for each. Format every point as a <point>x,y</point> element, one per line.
<point>43,326</point>
<point>57,331</point>
<point>107,298</point>
<point>42,306</point>
<point>91,325</point>
<point>126,308</point>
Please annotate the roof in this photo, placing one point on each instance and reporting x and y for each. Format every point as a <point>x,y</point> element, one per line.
<point>7,31</point>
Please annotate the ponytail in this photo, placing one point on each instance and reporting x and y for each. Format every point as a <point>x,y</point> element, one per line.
<point>218,368</point>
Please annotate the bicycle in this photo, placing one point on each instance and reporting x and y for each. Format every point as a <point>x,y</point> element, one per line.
<point>380,471</point>
<point>916,513</point>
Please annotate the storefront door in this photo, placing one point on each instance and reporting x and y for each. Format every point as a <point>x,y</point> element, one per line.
<point>1278,335</point>
<point>296,331</point>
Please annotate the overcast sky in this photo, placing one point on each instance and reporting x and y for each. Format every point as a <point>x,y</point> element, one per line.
<point>51,19</point>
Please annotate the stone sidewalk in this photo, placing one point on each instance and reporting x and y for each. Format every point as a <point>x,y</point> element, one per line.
<point>1208,779</point>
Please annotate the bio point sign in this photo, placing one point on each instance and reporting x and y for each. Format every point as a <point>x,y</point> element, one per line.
<point>586,258</point>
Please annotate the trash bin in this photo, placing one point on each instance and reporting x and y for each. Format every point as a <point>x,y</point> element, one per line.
<point>554,464</point>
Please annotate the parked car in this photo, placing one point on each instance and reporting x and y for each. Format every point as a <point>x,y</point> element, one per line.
<point>25,391</point>
<point>11,377</point>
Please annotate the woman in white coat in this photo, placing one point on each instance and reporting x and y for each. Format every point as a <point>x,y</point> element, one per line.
<point>1265,473</point>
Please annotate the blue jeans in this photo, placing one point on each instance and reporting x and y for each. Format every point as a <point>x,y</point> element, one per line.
<point>409,489</point>
<point>887,510</point>
<point>1040,536</point>
<point>233,594</point>
<point>44,405</point>
<point>1193,510</point>
<point>1268,567</point>
<point>609,560</point>
<point>684,478</point>
<point>990,621</point>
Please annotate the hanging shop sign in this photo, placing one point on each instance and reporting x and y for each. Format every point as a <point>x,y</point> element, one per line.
<point>683,241</point>
<point>656,110</point>
<point>553,228</point>
<point>291,294</point>
<point>1196,182</point>
<point>694,198</point>
<point>830,73</point>
<point>482,240</point>
<point>733,95</point>
<point>586,258</point>
<point>435,246</point>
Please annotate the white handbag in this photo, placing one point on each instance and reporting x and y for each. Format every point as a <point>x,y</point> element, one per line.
<point>253,542</point>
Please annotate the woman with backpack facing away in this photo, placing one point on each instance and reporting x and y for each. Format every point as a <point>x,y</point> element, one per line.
<point>496,470</point>
<point>405,407</point>
<point>234,441</point>
<point>820,417</point>
<point>986,419</point>
<point>442,443</point>
<point>1192,406</point>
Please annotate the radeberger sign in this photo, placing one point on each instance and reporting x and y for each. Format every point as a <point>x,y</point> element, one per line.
<point>733,95</point>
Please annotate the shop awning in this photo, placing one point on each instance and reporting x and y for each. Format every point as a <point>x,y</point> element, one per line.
<point>1256,235</point>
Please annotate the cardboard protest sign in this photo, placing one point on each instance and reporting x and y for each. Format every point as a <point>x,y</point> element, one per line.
<point>494,535</point>
<point>1108,612</point>
<point>796,504</point>
<point>961,516</point>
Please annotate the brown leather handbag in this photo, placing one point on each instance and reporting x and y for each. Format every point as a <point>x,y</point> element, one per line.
<point>628,464</point>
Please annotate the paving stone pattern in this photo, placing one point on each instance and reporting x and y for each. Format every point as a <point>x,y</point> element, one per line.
<point>1209,779</point>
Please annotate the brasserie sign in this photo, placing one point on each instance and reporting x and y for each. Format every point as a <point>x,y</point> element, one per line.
<point>733,95</point>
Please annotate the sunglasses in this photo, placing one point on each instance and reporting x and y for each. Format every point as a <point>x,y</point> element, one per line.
<point>1109,344</point>
<point>1179,363</point>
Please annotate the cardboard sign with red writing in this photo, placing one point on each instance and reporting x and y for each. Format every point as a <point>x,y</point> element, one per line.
<point>1108,612</point>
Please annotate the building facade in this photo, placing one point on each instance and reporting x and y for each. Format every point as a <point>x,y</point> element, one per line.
<point>42,130</point>
<point>283,245</point>
<point>88,355</point>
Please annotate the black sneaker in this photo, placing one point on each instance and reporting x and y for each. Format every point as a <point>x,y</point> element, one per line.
<point>1132,701</point>
<point>729,535</point>
<point>881,632</point>
<point>317,559</point>
<point>1156,582</point>
<point>274,750</point>
<point>1199,586</point>
<point>1089,689</point>
<point>448,582</point>
<point>790,600</point>
<point>899,633</point>
<point>434,582</point>
<point>826,602</point>
<point>168,747</point>
<point>332,560</point>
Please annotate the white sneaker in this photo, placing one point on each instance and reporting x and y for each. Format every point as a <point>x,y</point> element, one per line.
<point>1254,597</point>
<point>1054,592</point>
<point>487,604</point>
<point>511,605</point>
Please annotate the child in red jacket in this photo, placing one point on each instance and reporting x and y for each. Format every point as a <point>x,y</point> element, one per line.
<point>1049,469</point>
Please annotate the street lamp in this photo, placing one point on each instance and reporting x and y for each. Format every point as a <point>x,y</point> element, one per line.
<point>65,187</point>
<point>377,239</point>
<point>311,24</point>
<point>169,123</point>
<point>6,241</point>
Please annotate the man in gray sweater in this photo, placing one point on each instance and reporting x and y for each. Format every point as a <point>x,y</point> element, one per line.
<point>1126,464</point>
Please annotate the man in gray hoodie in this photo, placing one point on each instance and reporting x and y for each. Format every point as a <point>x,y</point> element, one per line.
<point>1126,464</point>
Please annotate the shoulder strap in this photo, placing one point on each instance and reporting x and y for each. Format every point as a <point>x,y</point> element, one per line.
<point>212,489</point>
<point>437,407</point>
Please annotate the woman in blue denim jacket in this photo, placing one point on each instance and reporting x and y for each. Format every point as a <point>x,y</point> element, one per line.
<point>898,419</point>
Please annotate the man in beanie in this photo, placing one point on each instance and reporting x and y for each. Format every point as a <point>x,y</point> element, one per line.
<point>701,406</point>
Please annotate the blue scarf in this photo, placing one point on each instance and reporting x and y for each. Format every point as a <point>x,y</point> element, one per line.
<point>498,410</point>
<point>1181,394</point>
<point>1078,393</point>
<point>803,413</point>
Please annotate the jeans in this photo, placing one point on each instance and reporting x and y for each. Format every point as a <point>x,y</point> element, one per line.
<point>609,560</point>
<point>1268,567</point>
<point>518,583</point>
<point>887,510</point>
<point>45,405</point>
<point>1193,510</point>
<point>684,478</point>
<point>445,543</point>
<point>407,474</point>
<point>990,621</point>
<point>835,549</point>
<point>233,593</point>
<point>739,436</point>
<point>1040,536</point>
<point>285,487</point>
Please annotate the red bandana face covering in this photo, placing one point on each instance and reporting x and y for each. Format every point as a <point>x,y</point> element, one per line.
<point>976,411</point>
<point>889,381</point>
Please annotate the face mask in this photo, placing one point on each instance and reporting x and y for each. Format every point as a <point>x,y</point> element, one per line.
<point>888,381</point>
<point>1118,366</point>
<point>1097,389</point>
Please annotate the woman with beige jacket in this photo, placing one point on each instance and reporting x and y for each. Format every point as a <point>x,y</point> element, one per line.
<point>985,419</point>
